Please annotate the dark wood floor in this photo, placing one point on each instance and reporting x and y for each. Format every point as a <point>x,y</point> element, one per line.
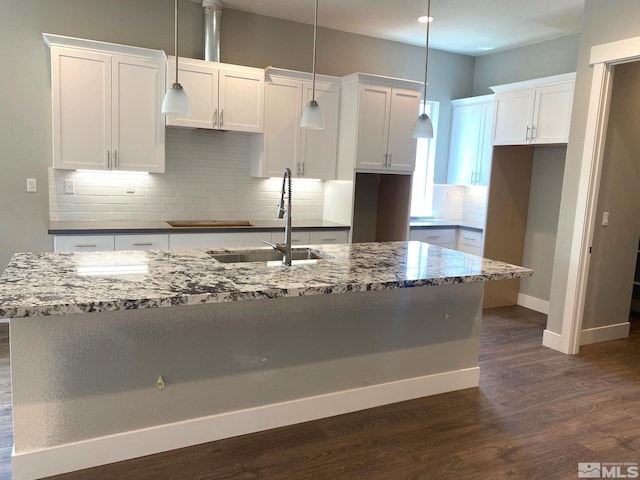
<point>536,414</point>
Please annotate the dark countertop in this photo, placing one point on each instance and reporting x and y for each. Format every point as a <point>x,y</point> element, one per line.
<point>131,227</point>
<point>440,223</point>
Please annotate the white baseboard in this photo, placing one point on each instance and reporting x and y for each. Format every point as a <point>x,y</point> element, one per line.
<point>114,448</point>
<point>533,303</point>
<point>552,340</point>
<point>602,334</point>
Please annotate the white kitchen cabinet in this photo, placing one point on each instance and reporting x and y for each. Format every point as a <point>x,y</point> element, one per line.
<point>83,243</point>
<point>218,240</point>
<point>470,147</point>
<point>222,96</point>
<point>106,102</point>
<point>443,237</point>
<point>153,241</point>
<point>533,112</point>
<point>376,124</point>
<point>308,153</point>
<point>469,241</point>
<point>328,236</point>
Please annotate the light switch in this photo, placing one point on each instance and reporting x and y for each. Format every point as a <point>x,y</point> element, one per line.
<point>605,219</point>
<point>32,185</point>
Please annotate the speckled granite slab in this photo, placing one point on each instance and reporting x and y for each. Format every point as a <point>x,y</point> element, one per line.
<point>64,283</point>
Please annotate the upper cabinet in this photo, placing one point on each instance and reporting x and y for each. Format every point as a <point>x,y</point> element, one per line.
<point>376,124</point>
<point>308,153</point>
<point>106,103</point>
<point>534,112</point>
<point>470,147</point>
<point>222,96</point>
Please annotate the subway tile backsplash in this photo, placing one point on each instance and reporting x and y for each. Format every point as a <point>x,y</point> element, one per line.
<point>206,177</point>
<point>467,204</point>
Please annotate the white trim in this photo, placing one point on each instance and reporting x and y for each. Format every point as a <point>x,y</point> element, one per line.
<point>536,82</point>
<point>616,52</point>
<point>4,320</point>
<point>603,334</point>
<point>80,43</point>
<point>533,303</point>
<point>137,443</point>
<point>552,340</point>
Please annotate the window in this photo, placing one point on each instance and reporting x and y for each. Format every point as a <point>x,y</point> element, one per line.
<point>422,189</point>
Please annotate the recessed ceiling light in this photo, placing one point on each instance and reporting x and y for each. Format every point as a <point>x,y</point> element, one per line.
<point>425,19</point>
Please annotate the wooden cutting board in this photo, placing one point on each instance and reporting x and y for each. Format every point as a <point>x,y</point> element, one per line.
<point>211,223</point>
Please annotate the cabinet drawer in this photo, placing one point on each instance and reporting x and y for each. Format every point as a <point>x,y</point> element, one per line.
<point>320,237</point>
<point>297,238</point>
<point>471,250</point>
<point>82,243</point>
<point>437,236</point>
<point>142,242</point>
<point>217,240</point>
<point>470,238</point>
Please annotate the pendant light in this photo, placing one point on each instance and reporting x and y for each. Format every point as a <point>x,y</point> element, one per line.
<point>176,101</point>
<point>423,127</point>
<point>312,116</point>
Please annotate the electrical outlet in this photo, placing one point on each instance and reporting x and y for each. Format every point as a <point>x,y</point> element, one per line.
<point>69,187</point>
<point>605,219</point>
<point>32,185</point>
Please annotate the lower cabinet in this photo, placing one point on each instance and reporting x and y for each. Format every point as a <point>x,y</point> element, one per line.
<point>164,241</point>
<point>83,243</point>
<point>443,237</point>
<point>466,240</point>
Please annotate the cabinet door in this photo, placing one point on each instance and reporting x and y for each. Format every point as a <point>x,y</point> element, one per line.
<point>320,147</point>
<point>137,124</point>
<point>81,106</point>
<point>513,112</point>
<point>200,82</point>
<point>444,237</point>
<point>401,147</point>
<point>465,144</point>
<point>485,153</point>
<point>373,126</point>
<point>552,114</point>
<point>283,100</point>
<point>241,101</point>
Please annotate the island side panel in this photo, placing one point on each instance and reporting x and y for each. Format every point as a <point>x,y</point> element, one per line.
<point>79,377</point>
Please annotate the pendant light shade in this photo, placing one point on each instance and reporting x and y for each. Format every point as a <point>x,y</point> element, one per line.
<point>423,127</point>
<point>176,101</point>
<point>312,116</point>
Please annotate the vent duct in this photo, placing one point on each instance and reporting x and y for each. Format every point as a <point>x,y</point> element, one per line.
<point>212,12</point>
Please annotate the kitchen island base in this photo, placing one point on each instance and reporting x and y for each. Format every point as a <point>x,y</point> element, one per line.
<point>84,385</point>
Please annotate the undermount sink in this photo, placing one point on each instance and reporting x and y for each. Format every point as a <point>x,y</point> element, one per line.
<point>298,255</point>
<point>210,223</point>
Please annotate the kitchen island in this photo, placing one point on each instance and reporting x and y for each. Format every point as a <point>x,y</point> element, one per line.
<point>100,374</point>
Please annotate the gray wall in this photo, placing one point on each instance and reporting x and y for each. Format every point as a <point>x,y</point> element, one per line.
<point>25,121</point>
<point>604,21</point>
<point>534,61</point>
<point>614,246</point>
<point>542,220</point>
<point>540,60</point>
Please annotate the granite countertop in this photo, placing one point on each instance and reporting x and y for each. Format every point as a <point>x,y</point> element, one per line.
<point>115,226</point>
<point>36,284</point>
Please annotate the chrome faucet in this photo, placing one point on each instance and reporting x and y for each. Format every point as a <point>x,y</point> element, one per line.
<point>283,210</point>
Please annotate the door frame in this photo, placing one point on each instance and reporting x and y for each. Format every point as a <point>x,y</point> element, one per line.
<point>603,59</point>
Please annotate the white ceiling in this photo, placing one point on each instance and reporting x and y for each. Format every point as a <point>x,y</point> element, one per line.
<point>463,26</point>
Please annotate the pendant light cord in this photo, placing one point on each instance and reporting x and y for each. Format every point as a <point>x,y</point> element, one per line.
<point>426,63</point>
<point>315,28</point>
<point>176,39</point>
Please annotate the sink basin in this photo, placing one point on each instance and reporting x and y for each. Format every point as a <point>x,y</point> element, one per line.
<point>210,223</point>
<point>298,255</point>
